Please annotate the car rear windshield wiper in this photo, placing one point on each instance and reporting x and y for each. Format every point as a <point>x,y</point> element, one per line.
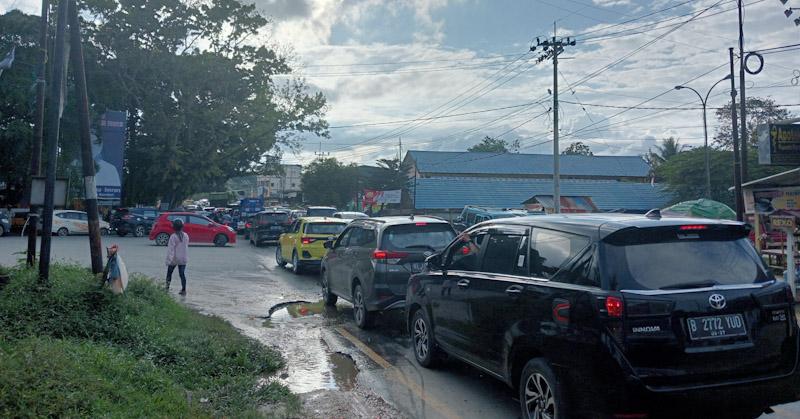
<point>420,246</point>
<point>686,285</point>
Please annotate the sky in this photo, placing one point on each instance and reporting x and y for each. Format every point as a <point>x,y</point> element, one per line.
<point>442,74</point>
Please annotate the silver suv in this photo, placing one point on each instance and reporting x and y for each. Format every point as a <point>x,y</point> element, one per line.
<point>370,262</point>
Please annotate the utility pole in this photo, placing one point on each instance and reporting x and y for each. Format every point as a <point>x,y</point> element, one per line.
<point>737,163</point>
<point>399,149</point>
<point>54,125</point>
<point>742,98</point>
<point>320,153</point>
<point>38,131</point>
<point>87,160</point>
<point>553,48</point>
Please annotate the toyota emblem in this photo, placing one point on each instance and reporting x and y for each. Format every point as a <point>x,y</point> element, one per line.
<point>717,301</point>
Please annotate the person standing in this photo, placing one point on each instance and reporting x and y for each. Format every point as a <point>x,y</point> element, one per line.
<point>177,254</point>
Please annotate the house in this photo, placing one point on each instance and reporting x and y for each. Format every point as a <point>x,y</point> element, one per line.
<point>444,182</point>
<point>283,185</point>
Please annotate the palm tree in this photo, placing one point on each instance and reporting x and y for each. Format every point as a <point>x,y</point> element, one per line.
<point>669,147</point>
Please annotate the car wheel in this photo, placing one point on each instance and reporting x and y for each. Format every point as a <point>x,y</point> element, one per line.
<point>361,315</point>
<point>139,231</point>
<point>296,264</point>
<point>425,350</point>
<point>220,240</point>
<point>162,239</point>
<point>327,296</point>
<point>63,232</point>
<point>104,231</point>
<point>540,392</point>
<point>279,257</point>
<point>2,230</point>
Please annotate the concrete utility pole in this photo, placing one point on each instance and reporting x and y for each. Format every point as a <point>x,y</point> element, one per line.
<point>554,47</point>
<point>54,125</point>
<point>742,98</point>
<point>737,163</point>
<point>87,160</point>
<point>38,131</point>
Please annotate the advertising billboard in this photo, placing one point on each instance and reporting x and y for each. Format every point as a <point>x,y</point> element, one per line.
<point>779,144</point>
<point>108,149</point>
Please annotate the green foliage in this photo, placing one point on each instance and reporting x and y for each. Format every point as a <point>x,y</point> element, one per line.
<point>144,331</point>
<point>393,176</point>
<point>495,145</point>
<point>669,148</point>
<point>759,111</point>
<point>578,148</point>
<point>326,181</point>
<point>684,174</point>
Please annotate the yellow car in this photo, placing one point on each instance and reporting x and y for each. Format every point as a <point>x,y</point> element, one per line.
<point>303,245</point>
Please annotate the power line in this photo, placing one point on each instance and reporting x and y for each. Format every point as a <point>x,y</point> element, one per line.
<point>489,57</point>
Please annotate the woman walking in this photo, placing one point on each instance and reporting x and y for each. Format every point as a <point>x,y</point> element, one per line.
<point>177,254</point>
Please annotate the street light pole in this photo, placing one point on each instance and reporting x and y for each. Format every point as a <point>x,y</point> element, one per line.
<point>704,102</point>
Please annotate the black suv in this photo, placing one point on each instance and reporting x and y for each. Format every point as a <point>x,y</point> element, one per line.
<point>267,226</point>
<point>370,262</point>
<point>136,221</point>
<point>612,315</point>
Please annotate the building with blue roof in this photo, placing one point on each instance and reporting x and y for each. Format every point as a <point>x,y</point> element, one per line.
<point>448,181</point>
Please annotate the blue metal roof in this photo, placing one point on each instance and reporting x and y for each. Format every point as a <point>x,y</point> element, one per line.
<point>456,192</point>
<point>452,162</point>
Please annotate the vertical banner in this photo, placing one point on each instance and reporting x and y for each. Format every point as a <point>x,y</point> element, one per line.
<point>108,151</point>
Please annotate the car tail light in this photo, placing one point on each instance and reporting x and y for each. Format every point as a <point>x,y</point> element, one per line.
<point>614,306</point>
<point>307,240</point>
<point>420,224</point>
<point>693,227</point>
<point>248,225</point>
<point>388,256</point>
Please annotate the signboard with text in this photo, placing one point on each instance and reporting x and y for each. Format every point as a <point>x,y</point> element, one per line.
<point>779,144</point>
<point>767,201</point>
<point>108,149</point>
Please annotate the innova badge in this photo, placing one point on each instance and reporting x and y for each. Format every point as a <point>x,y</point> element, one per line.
<point>717,301</point>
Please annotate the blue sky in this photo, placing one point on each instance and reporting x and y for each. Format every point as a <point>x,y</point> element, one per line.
<point>384,61</point>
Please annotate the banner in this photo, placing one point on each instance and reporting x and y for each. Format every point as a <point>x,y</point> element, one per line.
<point>767,201</point>
<point>108,151</point>
<point>375,200</point>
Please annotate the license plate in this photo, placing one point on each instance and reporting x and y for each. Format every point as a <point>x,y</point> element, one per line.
<point>276,228</point>
<point>417,267</point>
<point>712,327</point>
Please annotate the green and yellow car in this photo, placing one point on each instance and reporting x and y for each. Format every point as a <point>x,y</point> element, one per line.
<point>303,245</point>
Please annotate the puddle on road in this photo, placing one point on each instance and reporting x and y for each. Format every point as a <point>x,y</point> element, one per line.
<point>296,327</point>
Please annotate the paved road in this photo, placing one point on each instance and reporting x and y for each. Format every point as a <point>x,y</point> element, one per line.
<point>325,352</point>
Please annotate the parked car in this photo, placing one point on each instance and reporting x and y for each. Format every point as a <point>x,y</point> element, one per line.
<point>69,222</point>
<point>370,262</point>
<point>296,214</point>
<point>136,221</point>
<point>5,222</point>
<point>350,215</point>
<point>611,315</point>
<point>303,245</point>
<point>472,215</point>
<point>267,226</point>
<point>320,211</point>
<point>200,229</point>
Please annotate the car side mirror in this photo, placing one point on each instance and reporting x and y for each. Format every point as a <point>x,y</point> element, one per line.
<point>328,244</point>
<point>458,220</point>
<point>434,262</point>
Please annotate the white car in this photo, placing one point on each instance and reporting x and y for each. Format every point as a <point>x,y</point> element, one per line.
<point>66,222</point>
<point>350,215</point>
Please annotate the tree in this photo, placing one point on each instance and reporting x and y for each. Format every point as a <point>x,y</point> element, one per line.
<point>326,181</point>
<point>394,175</point>
<point>684,174</point>
<point>759,111</point>
<point>669,148</point>
<point>577,148</point>
<point>495,145</point>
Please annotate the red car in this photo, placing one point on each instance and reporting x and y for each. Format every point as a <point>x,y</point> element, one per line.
<point>200,229</point>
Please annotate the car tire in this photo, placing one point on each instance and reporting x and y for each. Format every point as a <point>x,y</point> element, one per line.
<point>328,297</point>
<point>2,230</point>
<point>220,240</point>
<point>62,232</point>
<point>541,393</point>
<point>279,257</point>
<point>139,231</point>
<point>361,315</point>
<point>426,352</point>
<point>297,268</point>
<point>104,231</point>
<point>162,239</point>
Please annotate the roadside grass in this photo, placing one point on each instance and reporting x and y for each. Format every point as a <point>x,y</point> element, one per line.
<point>74,349</point>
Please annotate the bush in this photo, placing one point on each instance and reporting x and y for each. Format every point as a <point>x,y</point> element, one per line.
<point>201,354</point>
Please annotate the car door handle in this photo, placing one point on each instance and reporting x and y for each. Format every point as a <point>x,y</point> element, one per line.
<point>514,290</point>
<point>464,283</point>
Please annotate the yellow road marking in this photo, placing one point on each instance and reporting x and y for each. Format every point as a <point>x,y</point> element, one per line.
<point>398,375</point>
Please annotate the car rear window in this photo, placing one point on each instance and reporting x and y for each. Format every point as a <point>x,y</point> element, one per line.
<point>320,212</point>
<point>273,218</point>
<point>324,228</point>
<point>682,261</point>
<point>418,236</point>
